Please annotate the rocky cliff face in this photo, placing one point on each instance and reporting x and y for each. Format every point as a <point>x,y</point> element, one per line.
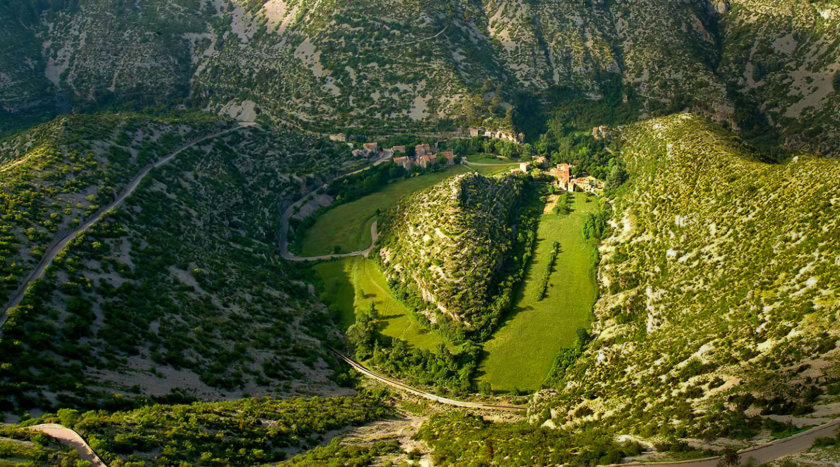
<point>327,64</point>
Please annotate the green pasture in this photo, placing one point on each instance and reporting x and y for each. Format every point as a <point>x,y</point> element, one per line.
<point>520,354</point>
<point>348,225</point>
<point>352,284</point>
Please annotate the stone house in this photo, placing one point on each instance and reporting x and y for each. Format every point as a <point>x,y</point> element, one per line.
<point>397,149</point>
<point>422,150</point>
<point>404,162</point>
<point>563,176</point>
<point>450,158</point>
<point>588,184</point>
<point>426,161</point>
<point>340,137</point>
<point>524,166</point>
<point>371,147</point>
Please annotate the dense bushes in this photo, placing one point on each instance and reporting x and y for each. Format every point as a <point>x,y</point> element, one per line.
<point>242,432</point>
<point>457,438</point>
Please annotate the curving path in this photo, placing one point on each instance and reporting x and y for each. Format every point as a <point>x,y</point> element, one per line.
<point>287,214</point>
<point>483,164</point>
<point>58,244</point>
<point>14,164</point>
<point>284,252</point>
<point>766,452</point>
<point>404,387</point>
<point>68,437</point>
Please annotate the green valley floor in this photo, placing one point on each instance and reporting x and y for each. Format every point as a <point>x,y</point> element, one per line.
<point>347,226</point>
<point>353,284</point>
<point>520,354</point>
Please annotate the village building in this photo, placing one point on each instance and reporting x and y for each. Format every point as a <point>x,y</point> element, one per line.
<point>422,149</point>
<point>563,175</point>
<point>476,132</point>
<point>540,161</point>
<point>371,147</point>
<point>397,149</point>
<point>340,137</point>
<point>588,184</point>
<point>425,161</point>
<point>524,166</point>
<point>450,158</point>
<point>404,162</point>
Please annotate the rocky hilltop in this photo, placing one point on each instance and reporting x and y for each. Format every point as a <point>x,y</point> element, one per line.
<point>445,248</point>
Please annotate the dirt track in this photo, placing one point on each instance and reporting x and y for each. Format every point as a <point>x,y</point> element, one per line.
<point>404,387</point>
<point>765,453</point>
<point>70,438</point>
<point>287,214</point>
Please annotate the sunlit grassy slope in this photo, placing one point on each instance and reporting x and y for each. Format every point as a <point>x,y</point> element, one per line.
<point>353,284</point>
<point>522,351</point>
<point>348,225</point>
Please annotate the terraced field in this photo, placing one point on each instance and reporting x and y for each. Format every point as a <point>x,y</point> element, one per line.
<point>521,352</point>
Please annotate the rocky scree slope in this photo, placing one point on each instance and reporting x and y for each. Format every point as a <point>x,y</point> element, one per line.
<point>719,291</point>
<point>443,248</point>
<point>330,64</point>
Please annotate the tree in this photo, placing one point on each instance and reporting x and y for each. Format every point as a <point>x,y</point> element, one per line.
<point>617,176</point>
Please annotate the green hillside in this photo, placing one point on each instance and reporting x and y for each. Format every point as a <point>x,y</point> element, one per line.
<point>718,288</point>
<point>160,159</point>
<point>521,352</point>
<point>767,68</point>
<point>180,290</point>
<point>446,249</point>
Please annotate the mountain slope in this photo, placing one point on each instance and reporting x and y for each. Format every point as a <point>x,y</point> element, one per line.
<point>330,65</point>
<point>178,291</point>
<point>719,289</point>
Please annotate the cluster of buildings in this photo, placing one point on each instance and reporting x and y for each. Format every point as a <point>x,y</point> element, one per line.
<point>562,175</point>
<point>563,179</point>
<point>425,156</point>
<point>512,137</point>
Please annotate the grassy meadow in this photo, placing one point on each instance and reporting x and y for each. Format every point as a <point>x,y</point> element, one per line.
<point>490,159</point>
<point>520,354</point>
<point>351,284</point>
<point>348,225</point>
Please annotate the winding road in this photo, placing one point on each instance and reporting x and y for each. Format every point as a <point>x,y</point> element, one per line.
<point>404,387</point>
<point>483,164</point>
<point>764,453</point>
<point>58,243</point>
<point>374,235</point>
<point>289,212</point>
